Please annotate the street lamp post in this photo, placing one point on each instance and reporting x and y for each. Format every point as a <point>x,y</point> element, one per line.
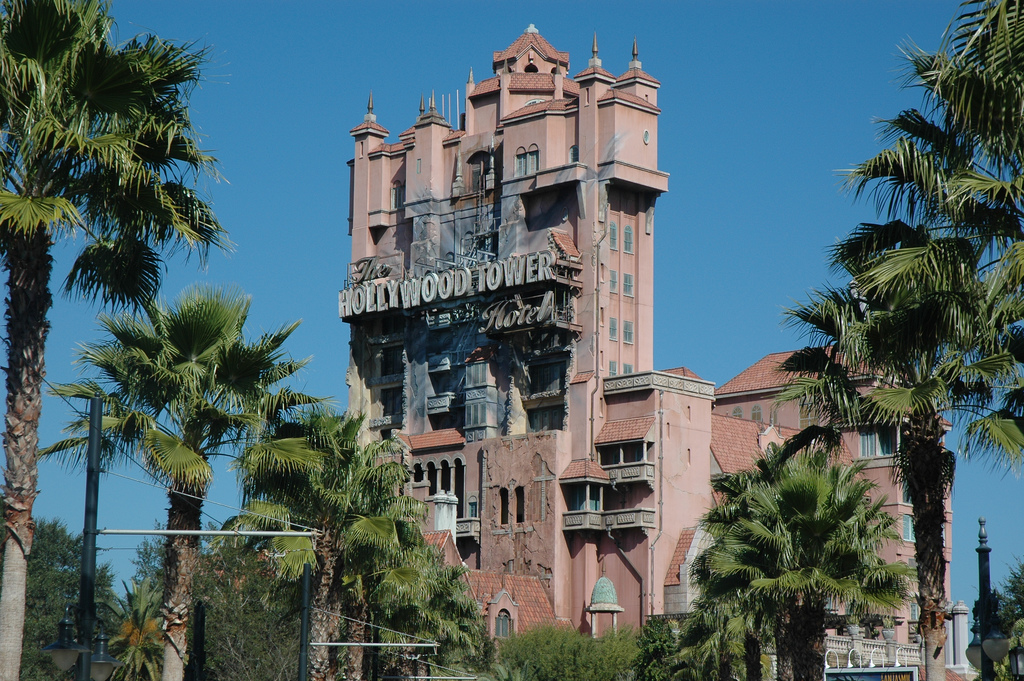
<point>989,644</point>
<point>63,652</point>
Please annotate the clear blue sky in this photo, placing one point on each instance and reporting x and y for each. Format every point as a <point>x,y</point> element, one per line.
<point>763,104</point>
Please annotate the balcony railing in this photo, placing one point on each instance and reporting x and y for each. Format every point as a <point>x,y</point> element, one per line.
<point>468,527</point>
<point>859,652</point>
<point>440,403</point>
<point>638,471</point>
<point>621,519</point>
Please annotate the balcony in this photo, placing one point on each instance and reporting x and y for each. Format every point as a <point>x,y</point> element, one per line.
<point>441,403</point>
<point>582,520</point>
<point>626,473</point>
<point>841,651</point>
<point>468,528</point>
<point>386,421</point>
<point>629,518</point>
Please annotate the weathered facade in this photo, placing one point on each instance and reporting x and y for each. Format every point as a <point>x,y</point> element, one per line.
<point>500,302</point>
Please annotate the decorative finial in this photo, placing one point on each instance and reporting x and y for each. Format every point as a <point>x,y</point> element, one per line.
<point>422,107</point>
<point>635,64</point>
<point>470,81</point>
<point>594,60</point>
<point>532,29</point>
<point>370,117</point>
<point>433,104</point>
<point>982,532</point>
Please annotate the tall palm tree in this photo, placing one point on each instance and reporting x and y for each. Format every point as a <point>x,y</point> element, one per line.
<point>810,536</point>
<point>137,640</point>
<point>182,385</point>
<point>96,143</point>
<point>351,499</point>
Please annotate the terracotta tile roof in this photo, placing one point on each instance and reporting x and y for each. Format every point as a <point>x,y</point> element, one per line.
<point>953,676</point>
<point>447,437</point>
<point>682,371</point>
<point>593,70</point>
<point>764,374</point>
<point>482,353</point>
<point>629,98</point>
<point>583,468</point>
<point>531,82</point>
<point>368,125</point>
<point>527,592</point>
<point>679,556</point>
<point>408,131</point>
<point>527,40</point>
<point>581,377</point>
<point>437,538</point>
<point>734,442</point>
<point>485,87</point>
<point>390,148</point>
<point>453,135</point>
<point>547,105</point>
<point>564,243</point>
<point>624,429</point>
<point>637,73</point>
<point>570,87</point>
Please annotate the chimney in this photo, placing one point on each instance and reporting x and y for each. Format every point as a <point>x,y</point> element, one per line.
<point>445,511</point>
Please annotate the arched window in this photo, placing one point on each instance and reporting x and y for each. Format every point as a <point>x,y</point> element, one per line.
<point>613,236</point>
<point>627,239</point>
<point>446,477</point>
<point>477,171</point>
<point>502,624</point>
<point>432,477</point>
<point>574,154</point>
<point>520,505</point>
<point>417,473</point>
<point>520,162</point>
<point>737,412</point>
<point>755,413</point>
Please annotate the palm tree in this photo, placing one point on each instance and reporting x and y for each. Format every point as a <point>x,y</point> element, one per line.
<point>97,143</point>
<point>351,499</point>
<point>138,641</point>
<point>808,537</point>
<point>181,385</point>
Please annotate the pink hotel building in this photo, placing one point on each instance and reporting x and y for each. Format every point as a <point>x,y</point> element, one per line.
<point>500,301</point>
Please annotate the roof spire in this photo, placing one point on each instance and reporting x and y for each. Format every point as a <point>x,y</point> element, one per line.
<point>370,117</point>
<point>635,64</point>
<point>470,81</point>
<point>422,108</point>
<point>594,60</point>
<point>433,104</point>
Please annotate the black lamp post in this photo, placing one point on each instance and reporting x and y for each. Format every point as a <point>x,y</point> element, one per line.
<point>100,665</point>
<point>989,644</point>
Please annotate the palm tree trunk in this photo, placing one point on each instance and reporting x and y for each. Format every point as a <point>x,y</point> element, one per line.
<point>324,622</point>
<point>928,473</point>
<point>29,265</point>
<point>784,643</point>
<point>180,563</point>
<point>752,656</point>
<point>808,634</point>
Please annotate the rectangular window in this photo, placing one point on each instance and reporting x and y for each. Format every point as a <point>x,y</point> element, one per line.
<point>807,417</point>
<point>906,494</point>
<point>547,377</point>
<point>391,361</point>
<point>613,328</point>
<point>908,528</point>
<point>397,196</point>
<point>419,165</point>
<point>476,414</point>
<point>885,442</point>
<point>577,498</point>
<point>613,282</point>
<point>595,498</point>
<point>868,445</point>
<point>520,164</point>
<point>391,401</point>
<point>546,418</point>
<point>627,285</point>
<point>613,236</point>
<point>627,332</point>
<point>532,162</point>
<point>627,369</point>
<point>613,368</point>
<point>476,374</point>
<point>609,455</point>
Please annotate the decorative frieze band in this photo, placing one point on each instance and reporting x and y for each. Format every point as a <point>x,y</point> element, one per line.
<point>650,380</point>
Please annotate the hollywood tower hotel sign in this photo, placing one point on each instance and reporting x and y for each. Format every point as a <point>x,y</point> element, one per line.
<point>500,303</point>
